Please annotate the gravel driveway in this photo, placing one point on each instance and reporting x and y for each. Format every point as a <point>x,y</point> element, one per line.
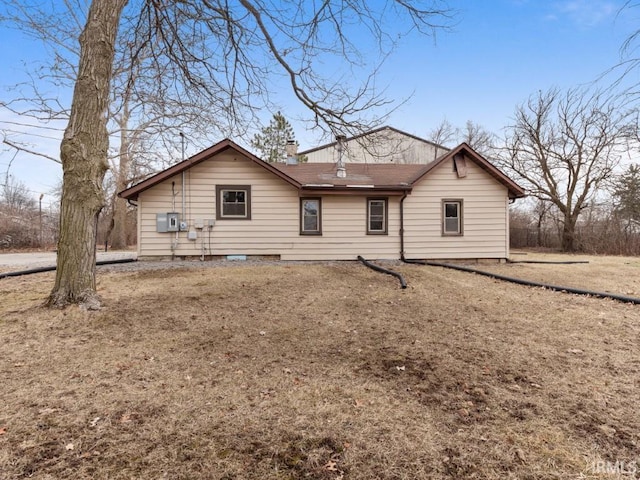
<point>11,262</point>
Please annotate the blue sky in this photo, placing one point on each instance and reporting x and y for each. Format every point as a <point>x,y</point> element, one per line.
<point>498,54</point>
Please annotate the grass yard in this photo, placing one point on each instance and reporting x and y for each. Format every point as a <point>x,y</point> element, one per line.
<point>322,372</point>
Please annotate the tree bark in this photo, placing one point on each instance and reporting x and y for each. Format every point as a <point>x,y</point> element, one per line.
<point>83,152</point>
<point>569,234</point>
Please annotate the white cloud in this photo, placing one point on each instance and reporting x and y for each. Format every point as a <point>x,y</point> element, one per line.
<point>587,13</point>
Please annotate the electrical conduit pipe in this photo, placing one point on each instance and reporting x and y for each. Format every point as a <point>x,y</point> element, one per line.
<point>403,283</point>
<point>529,283</point>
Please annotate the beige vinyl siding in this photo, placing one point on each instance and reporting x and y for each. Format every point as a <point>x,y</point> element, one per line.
<point>484,215</point>
<point>344,233</point>
<point>274,228</point>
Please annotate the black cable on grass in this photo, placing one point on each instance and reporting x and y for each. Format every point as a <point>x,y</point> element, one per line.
<point>31,271</point>
<point>403,283</point>
<point>529,283</point>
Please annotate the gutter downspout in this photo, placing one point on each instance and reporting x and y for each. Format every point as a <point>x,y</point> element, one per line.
<point>402,225</point>
<point>183,182</point>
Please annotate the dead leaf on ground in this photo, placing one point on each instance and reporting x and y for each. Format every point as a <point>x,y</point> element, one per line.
<point>47,411</point>
<point>331,466</point>
<point>125,418</point>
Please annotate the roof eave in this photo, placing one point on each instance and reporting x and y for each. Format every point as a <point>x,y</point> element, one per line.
<point>132,192</point>
<point>386,190</point>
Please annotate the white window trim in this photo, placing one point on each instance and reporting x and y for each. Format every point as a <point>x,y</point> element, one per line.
<point>385,218</point>
<point>221,189</point>
<point>302,229</point>
<point>460,230</point>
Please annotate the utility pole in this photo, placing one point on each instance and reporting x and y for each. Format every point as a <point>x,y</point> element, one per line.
<point>40,212</point>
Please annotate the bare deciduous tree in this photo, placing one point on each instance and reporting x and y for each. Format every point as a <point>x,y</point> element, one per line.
<point>229,53</point>
<point>144,118</point>
<point>564,146</point>
<point>444,134</point>
<point>84,153</point>
<point>479,138</point>
<point>15,195</point>
<point>473,134</point>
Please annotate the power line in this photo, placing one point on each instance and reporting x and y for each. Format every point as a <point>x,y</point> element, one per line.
<point>42,127</point>
<point>17,132</point>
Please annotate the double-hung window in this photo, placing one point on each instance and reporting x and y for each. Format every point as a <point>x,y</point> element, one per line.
<point>377,216</point>
<point>233,202</point>
<point>452,217</point>
<point>310,216</point>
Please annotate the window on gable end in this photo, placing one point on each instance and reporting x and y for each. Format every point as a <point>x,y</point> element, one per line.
<point>452,217</point>
<point>233,202</point>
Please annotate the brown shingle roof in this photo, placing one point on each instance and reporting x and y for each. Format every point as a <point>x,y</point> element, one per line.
<point>390,179</point>
<point>389,175</point>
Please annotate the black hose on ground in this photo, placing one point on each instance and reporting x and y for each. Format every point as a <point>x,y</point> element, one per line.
<point>51,269</point>
<point>27,272</point>
<point>413,262</point>
<point>529,283</point>
<point>372,266</point>
<point>548,262</point>
<point>114,262</point>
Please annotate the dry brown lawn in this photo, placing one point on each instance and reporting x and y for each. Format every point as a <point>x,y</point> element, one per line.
<point>321,372</point>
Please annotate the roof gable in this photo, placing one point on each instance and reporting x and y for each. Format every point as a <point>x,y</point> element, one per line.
<point>515,190</point>
<point>132,192</point>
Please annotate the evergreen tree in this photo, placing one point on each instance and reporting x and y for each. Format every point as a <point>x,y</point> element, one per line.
<point>626,193</point>
<point>271,142</point>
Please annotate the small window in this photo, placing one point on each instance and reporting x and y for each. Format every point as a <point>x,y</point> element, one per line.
<point>233,202</point>
<point>452,217</point>
<point>377,216</point>
<point>310,216</point>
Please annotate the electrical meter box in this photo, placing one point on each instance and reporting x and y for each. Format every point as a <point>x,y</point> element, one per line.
<point>167,222</point>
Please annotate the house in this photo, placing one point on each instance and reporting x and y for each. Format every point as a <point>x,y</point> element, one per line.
<point>225,201</point>
<point>382,145</point>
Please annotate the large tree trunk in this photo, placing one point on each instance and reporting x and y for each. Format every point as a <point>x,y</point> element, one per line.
<point>569,234</point>
<point>84,159</point>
